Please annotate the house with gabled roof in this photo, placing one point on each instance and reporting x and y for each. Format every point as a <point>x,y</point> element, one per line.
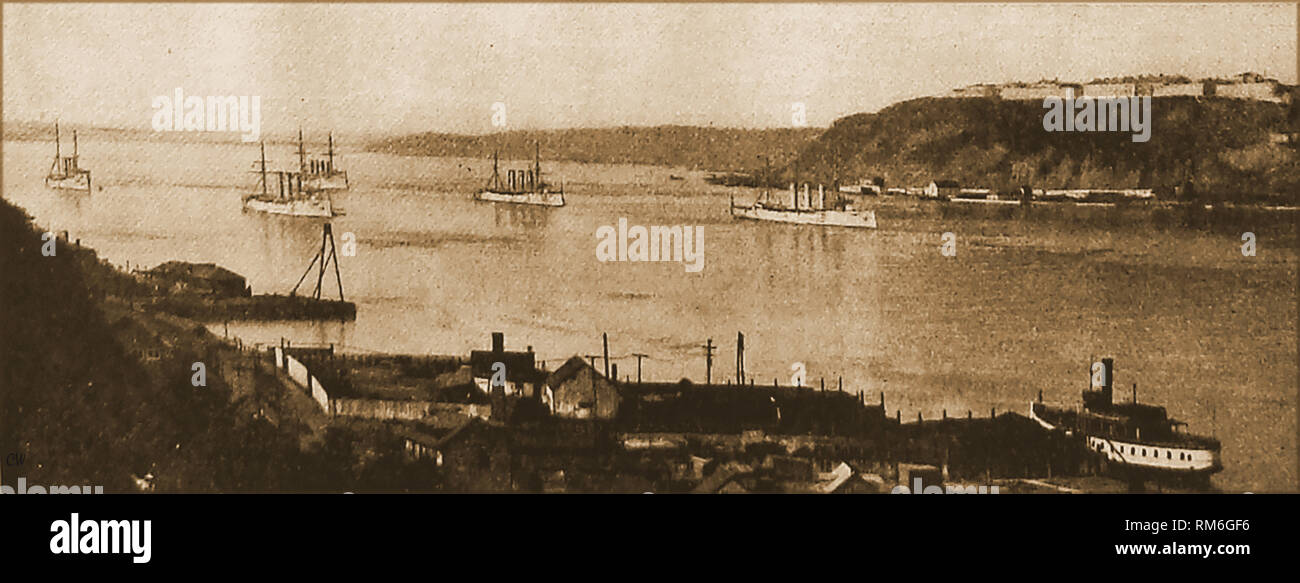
<point>522,378</point>
<point>474,456</point>
<point>577,390</point>
<point>942,188</point>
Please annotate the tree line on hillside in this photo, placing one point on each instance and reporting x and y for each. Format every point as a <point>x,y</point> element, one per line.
<point>698,148</point>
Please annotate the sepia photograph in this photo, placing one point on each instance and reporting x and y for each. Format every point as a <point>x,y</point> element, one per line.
<point>868,248</point>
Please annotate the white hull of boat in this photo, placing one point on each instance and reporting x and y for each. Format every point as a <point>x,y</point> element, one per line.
<point>1137,454</point>
<point>74,182</point>
<point>827,218</point>
<point>533,198</point>
<point>335,181</point>
<point>986,201</point>
<point>309,207</point>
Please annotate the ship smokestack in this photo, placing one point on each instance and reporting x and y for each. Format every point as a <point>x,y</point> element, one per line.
<point>498,342</point>
<point>1108,380</point>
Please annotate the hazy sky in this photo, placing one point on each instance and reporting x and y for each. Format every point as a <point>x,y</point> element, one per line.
<point>371,68</point>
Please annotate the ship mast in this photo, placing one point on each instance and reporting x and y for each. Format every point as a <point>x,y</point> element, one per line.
<point>495,182</point>
<point>330,168</point>
<point>264,169</point>
<point>794,188</point>
<point>57,152</point>
<point>537,166</point>
<point>767,179</point>
<point>302,155</point>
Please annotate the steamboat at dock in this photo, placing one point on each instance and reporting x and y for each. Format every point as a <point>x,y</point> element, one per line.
<point>1137,439</point>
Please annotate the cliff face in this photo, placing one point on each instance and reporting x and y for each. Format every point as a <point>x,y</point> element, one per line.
<point>1226,147</point>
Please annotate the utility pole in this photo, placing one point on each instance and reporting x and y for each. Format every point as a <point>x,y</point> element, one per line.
<point>639,356</point>
<point>604,339</point>
<point>740,358</point>
<point>708,361</point>
<point>263,169</point>
<point>302,154</point>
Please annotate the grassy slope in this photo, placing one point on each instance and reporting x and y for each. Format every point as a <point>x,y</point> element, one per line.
<point>84,410</point>
<point>75,401</point>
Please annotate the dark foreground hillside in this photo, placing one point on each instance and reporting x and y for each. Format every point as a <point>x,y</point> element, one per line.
<point>84,405</point>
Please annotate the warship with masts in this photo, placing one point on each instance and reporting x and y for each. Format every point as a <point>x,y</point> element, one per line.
<point>1135,437</point>
<point>291,198</point>
<point>521,186</point>
<point>66,172</point>
<point>320,174</point>
<point>804,209</point>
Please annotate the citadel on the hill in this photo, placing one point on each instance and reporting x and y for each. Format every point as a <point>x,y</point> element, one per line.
<point>1251,86</point>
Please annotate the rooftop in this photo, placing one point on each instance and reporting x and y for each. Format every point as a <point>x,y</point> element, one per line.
<point>208,271</point>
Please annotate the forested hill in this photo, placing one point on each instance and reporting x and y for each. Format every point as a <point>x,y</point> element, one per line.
<point>700,148</point>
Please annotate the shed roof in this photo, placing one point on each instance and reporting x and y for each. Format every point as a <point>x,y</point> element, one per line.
<point>208,271</point>
<point>568,370</point>
<point>520,366</point>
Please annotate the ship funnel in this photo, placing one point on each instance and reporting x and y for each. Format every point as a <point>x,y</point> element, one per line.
<point>498,342</point>
<point>1108,379</point>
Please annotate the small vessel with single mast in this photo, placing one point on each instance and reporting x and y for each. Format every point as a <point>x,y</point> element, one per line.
<point>291,198</point>
<point>521,186</point>
<point>66,173</point>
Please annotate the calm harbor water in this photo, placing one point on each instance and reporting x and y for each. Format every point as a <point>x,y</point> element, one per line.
<point>1023,305</point>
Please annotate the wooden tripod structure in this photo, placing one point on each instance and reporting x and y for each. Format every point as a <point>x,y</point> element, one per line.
<point>327,237</point>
